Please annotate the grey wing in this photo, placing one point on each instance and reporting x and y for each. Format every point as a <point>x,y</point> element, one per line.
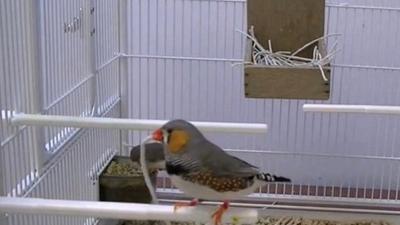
<point>154,152</point>
<point>180,166</point>
<point>224,164</point>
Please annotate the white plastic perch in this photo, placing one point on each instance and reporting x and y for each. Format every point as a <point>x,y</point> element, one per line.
<point>130,124</point>
<point>127,211</point>
<point>367,109</point>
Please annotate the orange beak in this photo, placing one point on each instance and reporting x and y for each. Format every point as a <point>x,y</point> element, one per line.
<point>158,135</point>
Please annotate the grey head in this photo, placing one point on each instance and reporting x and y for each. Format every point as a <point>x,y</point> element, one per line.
<point>185,126</point>
<point>154,155</point>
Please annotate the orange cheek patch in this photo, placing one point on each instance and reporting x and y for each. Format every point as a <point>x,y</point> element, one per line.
<point>177,140</point>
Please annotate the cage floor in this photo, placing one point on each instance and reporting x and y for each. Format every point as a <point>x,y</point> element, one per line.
<point>269,220</point>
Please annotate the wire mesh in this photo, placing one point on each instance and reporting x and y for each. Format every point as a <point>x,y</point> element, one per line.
<point>182,53</point>
<point>107,47</point>
<point>62,87</point>
<point>17,94</point>
<point>74,173</point>
<point>66,76</point>
<point>179,56</point>
<point>64,61</point>
<point>45,69</point>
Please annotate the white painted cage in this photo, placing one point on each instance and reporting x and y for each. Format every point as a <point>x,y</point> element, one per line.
<point>164,59</point>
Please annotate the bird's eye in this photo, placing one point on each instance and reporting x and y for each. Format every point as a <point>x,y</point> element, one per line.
<point>169,131</point>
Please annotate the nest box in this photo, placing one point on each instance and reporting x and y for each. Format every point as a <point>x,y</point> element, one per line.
<point>289,25</point>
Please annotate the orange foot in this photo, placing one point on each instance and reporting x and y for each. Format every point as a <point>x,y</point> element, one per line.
<point>217,215</point>
<point>178,205</point>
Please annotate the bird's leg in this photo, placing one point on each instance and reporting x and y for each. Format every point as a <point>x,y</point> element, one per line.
<point>193,202</point>
<point>217,215</point>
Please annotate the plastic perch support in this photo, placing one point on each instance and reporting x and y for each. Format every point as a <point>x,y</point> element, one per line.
<point>130,124</point>
<point>367,109</point>
<point>126,211</point>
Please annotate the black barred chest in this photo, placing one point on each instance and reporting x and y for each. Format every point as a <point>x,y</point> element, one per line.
<point>220,184</point>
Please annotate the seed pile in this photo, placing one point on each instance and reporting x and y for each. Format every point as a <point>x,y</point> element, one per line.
<point>304,221</point>
<point>275,221</point>
<point>125,169</point>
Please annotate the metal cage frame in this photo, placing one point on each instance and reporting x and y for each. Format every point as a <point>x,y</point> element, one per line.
<point>162,59</point>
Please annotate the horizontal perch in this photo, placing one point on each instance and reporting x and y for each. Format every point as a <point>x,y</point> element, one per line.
<point>130,124</point>
<point>127,211</point>
<point>367,109</point>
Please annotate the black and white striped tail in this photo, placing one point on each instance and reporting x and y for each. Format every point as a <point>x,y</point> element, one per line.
<point>272,178</point>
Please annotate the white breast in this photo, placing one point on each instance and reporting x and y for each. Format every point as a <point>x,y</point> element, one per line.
<point>205,193</point>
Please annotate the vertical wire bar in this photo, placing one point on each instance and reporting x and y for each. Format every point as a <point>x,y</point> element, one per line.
<point>235,18</point>
<point>25,71</point>
<point>99,39</point>
<point>60,183</point>
<point>397,183</point>
<point>3,108</point>
<point>10,86</point>
<point>46,72</point>
<point>78,50</point>
<point>140,62</point>
<point>52,64</point>
<point>378,130</point>
<point>149,101</point>
<point>191,62</point>
<point>64,57</point>
<point>174,54</point>
<point>25,160</point>
<point>224,72</point>
<point>122,71</point>
<point>391,98</point>
<point>16,73</point>
<point>103,75</point>
<point>348,27</point>
<point>182,62</point>
<point>337,118</point>
<point>60,78</point>
<point>382,149</point>
<point>67,75</point>
<point>30,102</point>
<point>14,174</point>
<point>7,82</point>
<point>51,73</point>
<point>56,189</point>
<point>393,144</point>
<point>157,51</point>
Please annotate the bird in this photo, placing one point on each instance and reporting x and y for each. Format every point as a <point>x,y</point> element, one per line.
<point>203,170</point>
<point>154,155</point>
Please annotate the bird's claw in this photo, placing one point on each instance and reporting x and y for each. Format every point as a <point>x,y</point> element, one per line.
<point>179,205</point>
<point>217,215</point>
